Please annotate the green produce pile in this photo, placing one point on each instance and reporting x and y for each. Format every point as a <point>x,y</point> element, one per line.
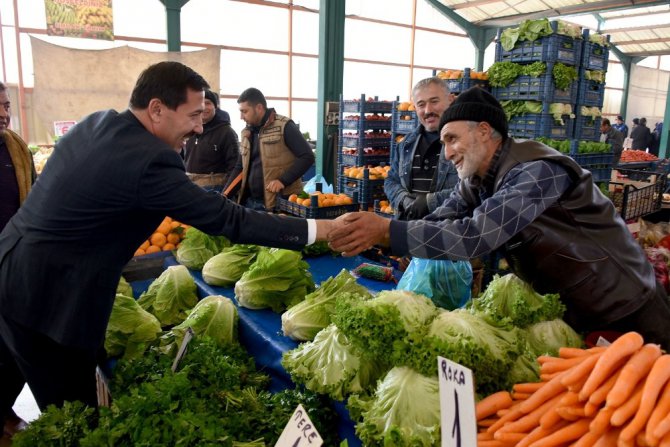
<point>531,30</point>
<point>380,354</point>
<point>216,397</point>
<point>583,147</point>
<point>197,247</point>
<point>502,74</point>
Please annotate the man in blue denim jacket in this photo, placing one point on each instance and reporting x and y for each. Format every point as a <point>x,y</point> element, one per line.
<point>421,178</point>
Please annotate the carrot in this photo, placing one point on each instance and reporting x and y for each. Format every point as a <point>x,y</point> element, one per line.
<point>540,433</point>
<point>641,441</point>
<point>569,398</point>
<point>660,411</point>
<point>549,390</point>
<point>600,395</point>
<point>565,434</point>
<point>590,409</point>
<point>588,440</point>
<point>512,415</point>
<point>571,412</point>
<point>609,438</point>
<point>662,430</point>
<point>620,349</point>
<point>557,365</point>
<point>520,396</point>
<point>567,352</point>
<point>512,437</point>
<point>580,372</point>
<point>491,443</point>
<point>529,387</point>
<point>529,421</point>
<point>484,436</point>
<point>659,374</point>
<point>492,403</point>
<point>548,377</point>
<point>542,359</point>
<point>601,423</point>
<point>637,367</point>
<point>487,422</point>
<point>626,411</point>
<point>502,412</point>
<point>665,442</point>
<point>550,418</point>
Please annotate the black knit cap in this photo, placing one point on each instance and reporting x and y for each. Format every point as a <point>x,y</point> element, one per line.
<point>212,97</point>
<point>476,104</point>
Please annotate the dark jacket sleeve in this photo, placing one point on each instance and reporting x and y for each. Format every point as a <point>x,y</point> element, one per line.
<point>302,152</point>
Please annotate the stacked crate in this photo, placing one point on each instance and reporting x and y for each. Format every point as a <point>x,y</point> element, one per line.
<point>403,122</point>
<point>461,80</point>
<point>551,50</point>
<point>364,141</point>
<point>591,93</point>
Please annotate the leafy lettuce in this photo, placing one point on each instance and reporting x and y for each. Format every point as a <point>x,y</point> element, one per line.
<point>197,247</point>
<point>546,337</point>
<point>130,329</point>
<point>305,319</point>
<point>226,268</point>
<point>170,296</point>
<point>278,279</point>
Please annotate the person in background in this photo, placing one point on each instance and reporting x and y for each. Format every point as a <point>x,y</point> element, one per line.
<point>211,156</point>
<point>640,134</point>
<point>554,226</point>
<point>621,126</point>
<point>655,138</point>
<point>17,175</point>
<point>109,183</point>
<point>273,155</point>
<point>609,135</point>
<point>421,178</point>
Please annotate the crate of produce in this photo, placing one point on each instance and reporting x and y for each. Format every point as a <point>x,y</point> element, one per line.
<point>600,165</point>
<point>383,208</point>
<point>461,80</point>
<point>404,121</point>
<point>587,128</point>
<point>591,93</point>
<point>373,139</point>
<point>535,125</point>
<point>595,51</point>
<point>636,198</point>
<point>370,122</point>
<point>365,105</point>
<point>541,88</point>
<point>367,190</point>
<point>552,48</point>
<point>369,156</point>
<point>331,207</point>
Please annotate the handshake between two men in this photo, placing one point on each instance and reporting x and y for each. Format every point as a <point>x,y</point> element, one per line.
<point>353,233</point>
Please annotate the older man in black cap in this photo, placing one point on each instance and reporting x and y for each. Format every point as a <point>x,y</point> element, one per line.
<point>211,155</point>
<point>541,210</point>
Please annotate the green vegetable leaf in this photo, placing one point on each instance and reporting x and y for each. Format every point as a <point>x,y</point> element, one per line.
<point>171,296</point>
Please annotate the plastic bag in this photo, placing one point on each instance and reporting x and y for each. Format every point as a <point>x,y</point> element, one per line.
<point>311,185</point>
<point>447,283</point>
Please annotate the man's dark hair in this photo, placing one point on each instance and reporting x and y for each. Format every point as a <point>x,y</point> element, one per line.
<point>167,81</point>
<point>253,96</point>
<point>606,122</point>
<point>3,87</point>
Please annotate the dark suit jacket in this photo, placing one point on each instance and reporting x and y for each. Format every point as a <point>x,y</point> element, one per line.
<point>105,189</point>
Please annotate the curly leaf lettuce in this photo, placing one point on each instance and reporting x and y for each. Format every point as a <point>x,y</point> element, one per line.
<point>278,279</point>
<point>404,411</point>
<point>546,337</point>
<point>226,268</point>
<point>171,296</point>
<point>305,319</point>
<point>130,329</point>
<point>330,365</point>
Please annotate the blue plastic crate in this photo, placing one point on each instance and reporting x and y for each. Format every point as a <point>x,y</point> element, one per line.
<point>594,56</point>
<point>404,121</point>
<point>364,159</point>
<point>531,88</point>
<point>361,141</point>
<point>587,128</point>
<point>590,93</point>
<point>363,105</point>
<point>314,211</point>
<point>366,190</point>
<point>465,82</point>
<point>535,125</point>
<point>599,164</point>
<point>366,124</point>
<point>553,48</point>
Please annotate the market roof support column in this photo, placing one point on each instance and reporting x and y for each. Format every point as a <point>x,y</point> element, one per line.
<point>665,134</point>
<point>173,18</point>
<point>331,69</point>
<point>626,63</point>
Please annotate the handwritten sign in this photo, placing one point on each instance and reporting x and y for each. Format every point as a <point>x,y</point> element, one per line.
<point>299,431</point>
<point>61,127</point>
<point>457,404</point>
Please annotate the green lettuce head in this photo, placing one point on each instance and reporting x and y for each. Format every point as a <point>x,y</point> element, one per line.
<point>226,268</point>
<point>171,296</point>
<point>197,247</point>
<point>130,329</point>
<point>546,337</point>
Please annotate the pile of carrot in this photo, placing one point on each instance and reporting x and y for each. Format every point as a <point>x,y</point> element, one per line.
<point>617,395</point>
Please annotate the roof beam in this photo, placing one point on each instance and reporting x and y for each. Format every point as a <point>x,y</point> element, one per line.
<point>623,43</point>
<point>635,28</point>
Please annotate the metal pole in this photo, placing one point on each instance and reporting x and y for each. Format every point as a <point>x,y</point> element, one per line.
<point>22,94</point>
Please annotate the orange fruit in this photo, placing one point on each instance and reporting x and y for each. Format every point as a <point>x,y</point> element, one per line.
<point>139,252</point>
<point>153,249</point>
<point>328,202</point>
<point>164,228</point>
<point>145,245</point>
<point>168,247</point>
<point>158,239</point>
<point>307,202</point>
<point>173,238</point>
<point>175,224</point>
<point>293,198</point>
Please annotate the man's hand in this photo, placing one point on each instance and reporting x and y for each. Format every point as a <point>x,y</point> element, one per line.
<point>274,186</point>
<point>324,227</point>
<point>358,232</point>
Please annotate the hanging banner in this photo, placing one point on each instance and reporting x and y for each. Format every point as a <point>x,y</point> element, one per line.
<point>80,18</point>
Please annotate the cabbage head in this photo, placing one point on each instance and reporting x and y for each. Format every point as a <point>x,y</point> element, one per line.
<point>278,279</point>
<point>226,268</point>
<point>385,325</point>
<point>509,299</point>
<point>470,340</point>
<point>546,337</point>
<point>130,329</point>
<point>214,316</point>
<point>305,319</point>
<point>124,288</point>
<point>197,247</point>
<point>330,365</point>
<point>404,411</point>
<point>171,296</point>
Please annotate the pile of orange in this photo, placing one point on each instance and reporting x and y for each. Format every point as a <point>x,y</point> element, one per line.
<point>325,199</point>
<point>167,237</point>
<point>385,207</point>
<point>405,106</point>
<point>374,172</point>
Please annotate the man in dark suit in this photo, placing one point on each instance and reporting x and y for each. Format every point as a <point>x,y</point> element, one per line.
<point>109,183</point>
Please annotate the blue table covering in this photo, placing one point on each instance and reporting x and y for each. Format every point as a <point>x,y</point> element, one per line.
<point>260,330</point>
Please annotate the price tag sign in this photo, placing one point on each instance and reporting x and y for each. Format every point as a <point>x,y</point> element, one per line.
<point>61,127</point>
<point>299,432</point>
<point>188,336</point>
<point>457,404</point>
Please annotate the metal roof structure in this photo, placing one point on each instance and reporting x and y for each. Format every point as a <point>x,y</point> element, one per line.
<point>637,28</point>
